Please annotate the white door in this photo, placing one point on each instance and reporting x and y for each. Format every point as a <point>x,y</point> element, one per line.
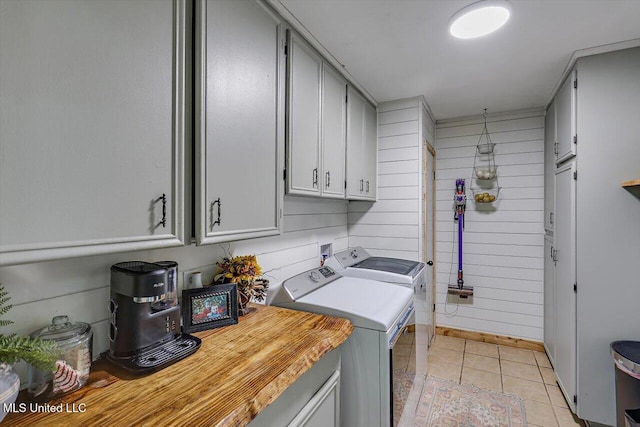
<point>429,232</point>
<point>549,298</point>
<point>303,109</point>
<point>565,294</point>
<point>334,133</point>
<point>92,127</point>
<point>239,121</point>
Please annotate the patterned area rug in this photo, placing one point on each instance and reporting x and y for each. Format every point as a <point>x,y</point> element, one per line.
<point>447,404</point>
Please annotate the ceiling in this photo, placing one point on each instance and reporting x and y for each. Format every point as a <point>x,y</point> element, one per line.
<point>401,48</point>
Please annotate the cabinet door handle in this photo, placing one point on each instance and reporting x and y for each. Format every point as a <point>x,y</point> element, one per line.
<point>163,199</point>
<point>367,186</point>
<point>217,221</point>
<point>550,217</point>
<point>551,253</point>
<point>361,185</point>
<point>328,180</point>
<point>315,177</point>
<point>555,148</point>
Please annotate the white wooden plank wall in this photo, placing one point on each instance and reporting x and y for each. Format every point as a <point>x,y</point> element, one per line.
<point>503,243</point>
<point>80,287</point>
<point>391,225</point>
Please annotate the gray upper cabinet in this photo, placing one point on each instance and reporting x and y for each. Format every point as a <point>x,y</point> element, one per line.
<point>239,121</point>
<point>566,134</point>
<point>303,142</point>
<point>549,164</point>
<point>334,133</point>
<point>362,147</point>
<point>92,127</point>
<point>316,123</point>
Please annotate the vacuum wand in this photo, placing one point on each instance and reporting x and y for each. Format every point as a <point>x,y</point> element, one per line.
<point>460,200</point>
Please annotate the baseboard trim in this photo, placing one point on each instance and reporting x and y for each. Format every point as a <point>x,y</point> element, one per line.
<point>490,338</point>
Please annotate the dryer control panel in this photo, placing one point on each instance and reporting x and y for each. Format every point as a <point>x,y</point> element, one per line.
<point>352,256</point>
<point>309,281</point>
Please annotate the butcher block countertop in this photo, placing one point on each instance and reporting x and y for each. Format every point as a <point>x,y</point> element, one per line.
<point>236,373</point>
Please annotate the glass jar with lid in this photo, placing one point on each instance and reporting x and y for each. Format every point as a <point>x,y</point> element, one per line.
<point>75,342</point>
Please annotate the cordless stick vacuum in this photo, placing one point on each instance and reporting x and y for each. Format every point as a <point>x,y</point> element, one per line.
<point>460,200</point>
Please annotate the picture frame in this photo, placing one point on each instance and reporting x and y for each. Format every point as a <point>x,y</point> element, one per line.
<point>209,308</point>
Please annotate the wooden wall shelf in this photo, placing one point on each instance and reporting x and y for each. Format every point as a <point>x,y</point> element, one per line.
<point>632,187</point>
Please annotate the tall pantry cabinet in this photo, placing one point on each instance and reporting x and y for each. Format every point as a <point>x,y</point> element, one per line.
<point>559,220</point>
<point>590,265</point>
<point>92,127</point>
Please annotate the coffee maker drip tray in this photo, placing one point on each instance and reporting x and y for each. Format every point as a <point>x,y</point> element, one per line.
<point>161,356</point>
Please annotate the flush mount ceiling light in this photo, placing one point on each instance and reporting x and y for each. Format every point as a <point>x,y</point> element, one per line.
<point>479,19</point>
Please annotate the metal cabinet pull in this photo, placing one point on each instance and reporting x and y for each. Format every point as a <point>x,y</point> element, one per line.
<point>328,180</point>
<point>367,186</point>
<point>550,217</point>
<point>361,185</point>
<point>315,177</point>
<point>555,148</point>
<point>163,221</point>
<point>219,203</point>
<point>551,253</point>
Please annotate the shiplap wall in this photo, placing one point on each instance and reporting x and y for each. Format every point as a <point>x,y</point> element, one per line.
<point>502,241</point>
<point>80,287</point>
<point>392,225</point>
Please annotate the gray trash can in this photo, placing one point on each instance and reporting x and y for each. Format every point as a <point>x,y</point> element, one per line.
<point>626,355</point>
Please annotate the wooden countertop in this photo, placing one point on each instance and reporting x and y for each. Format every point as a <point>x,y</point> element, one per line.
<point>237,372</point>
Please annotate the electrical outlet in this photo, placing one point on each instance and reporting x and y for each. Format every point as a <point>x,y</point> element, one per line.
<point>207,271</point>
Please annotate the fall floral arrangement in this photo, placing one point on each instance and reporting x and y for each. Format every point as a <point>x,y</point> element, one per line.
<point>246,273</point>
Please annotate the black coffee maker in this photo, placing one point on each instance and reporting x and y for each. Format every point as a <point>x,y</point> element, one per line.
<point>144,331</point>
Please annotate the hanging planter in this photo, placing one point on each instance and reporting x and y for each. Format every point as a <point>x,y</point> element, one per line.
<point>484,168</point>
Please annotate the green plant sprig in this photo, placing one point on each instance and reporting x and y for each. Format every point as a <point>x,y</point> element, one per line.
<point>42,354</point>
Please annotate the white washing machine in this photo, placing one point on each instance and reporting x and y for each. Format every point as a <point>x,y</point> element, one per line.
<point>379,313</point>
<point>357,262</point>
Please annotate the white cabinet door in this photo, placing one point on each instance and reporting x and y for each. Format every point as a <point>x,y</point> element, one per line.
<point>355,138</point>
<point>566,119</point>
<point>92,127</point>
<point>303,143</point>
<point>239,151</point>
<point>362,146</point>
<point>549,164</point>
<point>549,298</point>
<point>565,295</point>
<point>334,132</point>
<point>370,147</point>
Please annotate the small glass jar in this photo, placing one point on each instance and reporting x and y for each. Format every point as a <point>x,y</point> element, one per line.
<point>75,343</point>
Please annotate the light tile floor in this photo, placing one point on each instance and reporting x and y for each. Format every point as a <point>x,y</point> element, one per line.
<point>524,373</point>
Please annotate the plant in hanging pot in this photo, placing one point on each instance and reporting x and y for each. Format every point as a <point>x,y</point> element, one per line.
<point>38,353</point>
<point>247,274</point>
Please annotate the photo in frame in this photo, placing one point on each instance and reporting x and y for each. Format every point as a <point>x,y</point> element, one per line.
<point>210,307</point>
